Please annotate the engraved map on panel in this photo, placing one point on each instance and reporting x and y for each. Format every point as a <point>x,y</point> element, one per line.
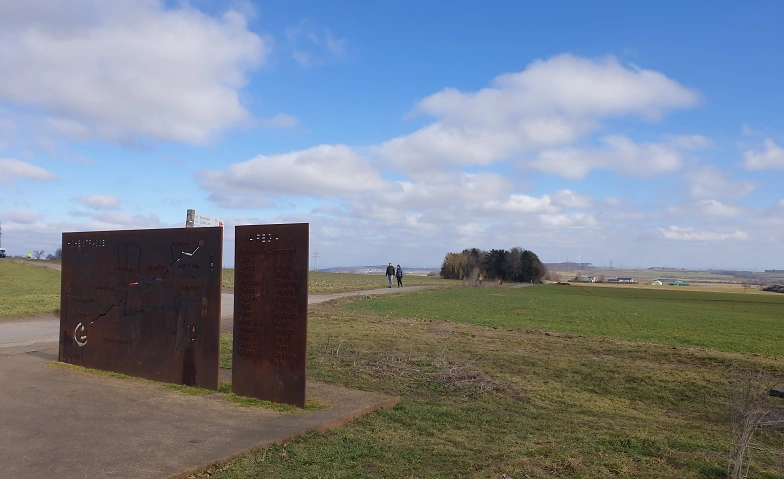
<point>144,303</point>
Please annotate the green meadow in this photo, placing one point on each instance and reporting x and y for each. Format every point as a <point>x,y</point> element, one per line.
<point>27,290</point>
<point>537,382</point>
<point>731,322</point>
<point>540,382</point>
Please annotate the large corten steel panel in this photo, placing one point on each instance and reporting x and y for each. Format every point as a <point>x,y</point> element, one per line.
<point>270,312</point>
<point>144,303</point>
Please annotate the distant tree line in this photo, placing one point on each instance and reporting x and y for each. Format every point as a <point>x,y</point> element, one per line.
<point>39,253</point>
<point>517,265</point>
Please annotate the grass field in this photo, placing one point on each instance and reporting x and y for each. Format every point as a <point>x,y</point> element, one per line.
<point>324,283</point>
<point>693,276</point>
<point>27,290</point>
<point>724,321</point>
<point>539,382</point>
<point>481,401</point>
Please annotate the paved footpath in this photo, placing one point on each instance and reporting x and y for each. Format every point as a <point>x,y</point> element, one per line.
<point>35,332</point>
<point>56,422</point>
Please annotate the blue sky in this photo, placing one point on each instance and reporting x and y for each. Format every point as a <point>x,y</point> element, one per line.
<point>642,133</point>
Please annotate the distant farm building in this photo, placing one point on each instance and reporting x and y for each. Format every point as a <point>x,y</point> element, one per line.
<point>622,280</point>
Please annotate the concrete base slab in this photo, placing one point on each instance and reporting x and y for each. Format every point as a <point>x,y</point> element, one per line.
<point>72,424</point>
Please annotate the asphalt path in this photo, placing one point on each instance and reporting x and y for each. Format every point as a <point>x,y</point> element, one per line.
<point>32,334</point>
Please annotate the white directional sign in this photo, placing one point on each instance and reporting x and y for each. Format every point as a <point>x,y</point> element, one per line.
<point>201,220</point>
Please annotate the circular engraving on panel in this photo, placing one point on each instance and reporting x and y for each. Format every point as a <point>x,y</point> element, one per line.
<point>79,336</point>
<point>190,332</point>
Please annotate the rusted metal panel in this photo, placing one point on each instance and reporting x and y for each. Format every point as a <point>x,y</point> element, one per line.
<point>144,303</point>
<point>271,312</point>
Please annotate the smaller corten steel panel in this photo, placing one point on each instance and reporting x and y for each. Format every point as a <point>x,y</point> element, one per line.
<point>144,303</point>
<point>270,312</point>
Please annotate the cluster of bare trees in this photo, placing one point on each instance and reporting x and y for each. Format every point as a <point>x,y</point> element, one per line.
<point>516,264</point>
<point>39,253</point>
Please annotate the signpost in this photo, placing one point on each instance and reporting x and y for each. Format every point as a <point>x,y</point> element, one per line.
<point>193,220</point>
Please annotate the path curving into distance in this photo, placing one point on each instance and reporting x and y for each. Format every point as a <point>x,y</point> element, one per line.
<point>33,334</point>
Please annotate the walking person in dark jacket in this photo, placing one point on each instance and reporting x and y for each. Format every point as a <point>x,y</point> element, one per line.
<point>390,273</point>
<point>399,276</point>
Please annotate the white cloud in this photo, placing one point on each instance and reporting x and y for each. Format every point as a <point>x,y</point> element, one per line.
<point>717,208</point>
<point>438,145</point>
<point>229,202</point>
<point>620,154</point>
<point>567,84</point>
<point>336,46</point>
<point>245,7</point>
<point>747,130</point>
<point>469,230</point>
<point>302,58</point>
<point>443,199</point>
<point>690,142</point>
<point>312,45</point>
<point>125,69</point>
<point>695,234</point>
<point>448,190</point>
<point>551,103</point>
<point>771,158</point>
<point>21,216</point>
<point>281,120</point>
<point>7,131</point>
<point>570,199</point>
<point>115,221</point>
<point>80,160</point>
<point>517,203</point>
<point>69,128</point>
<point>11,169</point>
<point>323,171</point>
<point>568,220</point>
<point>710,182</point>
<point>98,202</point>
